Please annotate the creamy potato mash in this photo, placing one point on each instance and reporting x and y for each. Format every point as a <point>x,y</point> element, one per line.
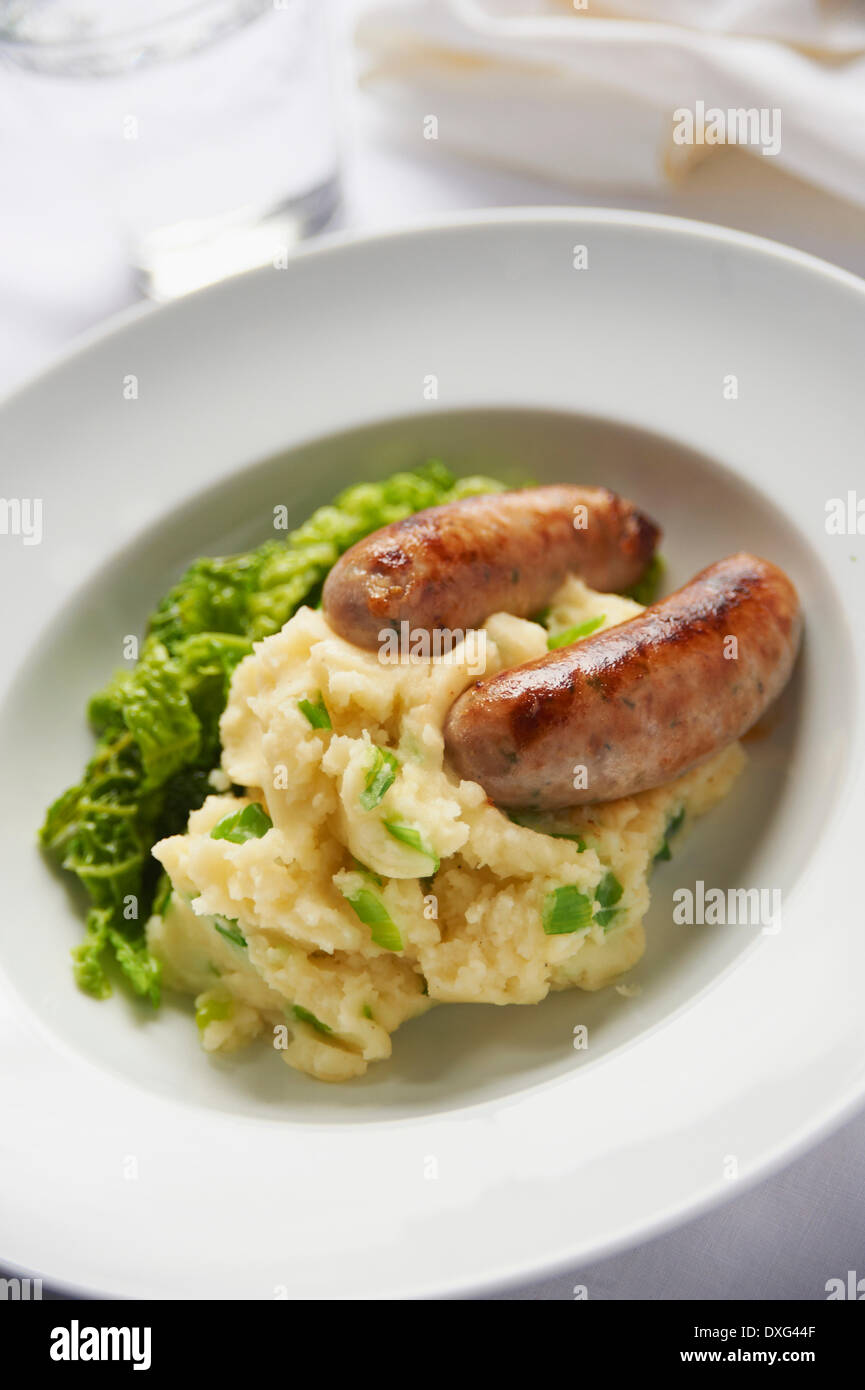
<point>366,882</point>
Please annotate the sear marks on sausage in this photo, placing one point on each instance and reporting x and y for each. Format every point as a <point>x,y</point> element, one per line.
<point>638,704</point>
<point>450,567</point>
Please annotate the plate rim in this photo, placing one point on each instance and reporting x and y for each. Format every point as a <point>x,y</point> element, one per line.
<point>329,243</point>
<point>835,1113</point>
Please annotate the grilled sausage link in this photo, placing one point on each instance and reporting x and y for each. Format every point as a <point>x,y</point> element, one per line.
<point>635,705</point>
<point>452,566</point>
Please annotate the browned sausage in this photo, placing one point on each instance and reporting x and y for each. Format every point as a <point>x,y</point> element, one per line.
<point>450,567</point>
<point>638,704</point>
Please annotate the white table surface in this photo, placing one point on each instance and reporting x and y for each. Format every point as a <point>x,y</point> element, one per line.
<point>785,1238</point>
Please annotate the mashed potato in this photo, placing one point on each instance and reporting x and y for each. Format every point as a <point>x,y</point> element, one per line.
<point>371,882</point>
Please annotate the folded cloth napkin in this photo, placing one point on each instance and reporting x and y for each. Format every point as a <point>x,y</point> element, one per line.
<point>818,26</point>
<point>625,94</point>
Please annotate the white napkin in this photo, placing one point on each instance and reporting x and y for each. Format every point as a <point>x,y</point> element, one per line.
<point>589,96</point>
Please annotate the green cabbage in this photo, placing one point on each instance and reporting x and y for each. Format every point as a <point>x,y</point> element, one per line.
<point>157,725</point>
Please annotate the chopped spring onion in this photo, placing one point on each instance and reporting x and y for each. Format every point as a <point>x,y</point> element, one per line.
<point>373,913</point>
<point>316,713</point>
<point>367,872</point>
<point>227,927</point>
<point>304,1016</point>
<point>239,826</point>
<point>566,910</point>
<point>607,894</point>
<point>645,591</point>
<point>527,822</point>
<point>674,824</point>
<point>408,835</point>
<point>573,634</point>
<point>212,1011</point>
<point>380,776</point>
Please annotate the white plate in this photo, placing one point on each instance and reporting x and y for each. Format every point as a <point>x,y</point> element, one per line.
<point>488,1149</point>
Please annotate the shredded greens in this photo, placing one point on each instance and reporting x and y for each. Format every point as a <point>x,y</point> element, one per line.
<point>157,724</point>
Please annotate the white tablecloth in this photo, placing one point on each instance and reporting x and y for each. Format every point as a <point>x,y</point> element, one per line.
<point>788,1236</point>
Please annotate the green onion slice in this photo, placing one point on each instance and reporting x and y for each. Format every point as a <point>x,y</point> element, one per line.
<point>304,1016</point>
<point>607,894</point>
<point>316,712</point>
<point>250,823</point>
<point>373,913</point>
<point>379,778</point>
<point>566,910</point>
<point>227,927</point>
<point>408,835</point>
<point>573,634</point>
<point>528,822</point>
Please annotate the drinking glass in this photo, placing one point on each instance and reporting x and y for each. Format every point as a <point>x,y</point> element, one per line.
<point>204,130</point>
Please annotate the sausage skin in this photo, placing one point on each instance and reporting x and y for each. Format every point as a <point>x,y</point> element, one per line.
<point>635,705</point>
<point>450,567</point>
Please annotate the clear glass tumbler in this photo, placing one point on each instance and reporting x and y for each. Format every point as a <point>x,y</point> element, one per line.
<point>206,130</point>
